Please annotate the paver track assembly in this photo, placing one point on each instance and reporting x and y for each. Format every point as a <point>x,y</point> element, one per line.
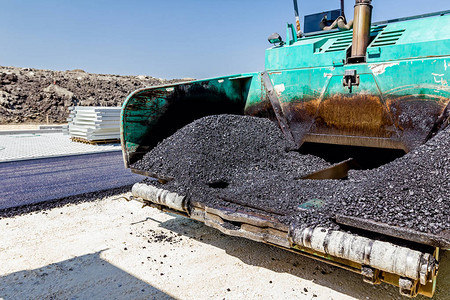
<point>373,87</point>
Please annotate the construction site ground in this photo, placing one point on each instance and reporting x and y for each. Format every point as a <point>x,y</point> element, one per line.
<point>97,246</point>
<point>33,144</point>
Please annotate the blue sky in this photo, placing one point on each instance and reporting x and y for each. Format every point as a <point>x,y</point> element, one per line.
<point>167,39</point>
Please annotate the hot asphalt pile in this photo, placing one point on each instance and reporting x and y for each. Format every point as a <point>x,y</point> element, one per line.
<point>240,161</point>
<point>413,191</point>
<point>229,159</point>
<point>29,95</point>
<point>227,151</point>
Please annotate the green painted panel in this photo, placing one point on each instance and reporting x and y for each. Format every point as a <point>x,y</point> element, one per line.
<point>420,38</point>
<point>151,114</point>
<point>403,87</point>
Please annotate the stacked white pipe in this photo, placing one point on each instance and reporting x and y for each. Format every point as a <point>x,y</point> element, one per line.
<point>94,123</point>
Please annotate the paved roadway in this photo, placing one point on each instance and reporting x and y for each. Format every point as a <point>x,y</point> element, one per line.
<point>32,181</point>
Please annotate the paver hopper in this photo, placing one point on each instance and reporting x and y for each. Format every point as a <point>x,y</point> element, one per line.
<point>357,83</point>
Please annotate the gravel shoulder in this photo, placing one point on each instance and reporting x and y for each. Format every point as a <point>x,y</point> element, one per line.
<point>108,248</point>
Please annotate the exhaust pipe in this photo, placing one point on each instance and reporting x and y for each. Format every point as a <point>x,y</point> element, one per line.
<point>342,9</point>
<point>361,31</point>
<point>297,20</point>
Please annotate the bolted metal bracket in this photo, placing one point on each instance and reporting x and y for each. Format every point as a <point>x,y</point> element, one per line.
<point>428,269</point>
<point>408,287</point>
<point>351,78</point>
<point>371,275</point>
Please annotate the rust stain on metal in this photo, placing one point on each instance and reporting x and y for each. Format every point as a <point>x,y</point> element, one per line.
<point>359,114</point>
<point>405,121</point>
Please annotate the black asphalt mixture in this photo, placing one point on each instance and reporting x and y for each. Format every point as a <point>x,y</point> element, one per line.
<point>413,191</point>
<point>244,162</point>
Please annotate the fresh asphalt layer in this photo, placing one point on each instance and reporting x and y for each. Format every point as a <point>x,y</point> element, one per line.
<point>32,181</point>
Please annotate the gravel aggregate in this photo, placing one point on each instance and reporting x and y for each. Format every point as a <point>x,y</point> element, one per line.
<point>413,191</point>
<point>227,151</point>
<point>231,160</point>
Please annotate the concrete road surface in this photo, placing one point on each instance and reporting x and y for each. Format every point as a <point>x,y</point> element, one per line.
<point>33,181</point>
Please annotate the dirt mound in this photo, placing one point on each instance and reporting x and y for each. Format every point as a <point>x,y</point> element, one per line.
<point>32,95</point>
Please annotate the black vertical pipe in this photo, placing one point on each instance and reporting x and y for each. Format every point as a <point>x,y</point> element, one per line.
<point>296,8</point>
<point>297,18</point>
<point>342,9</point>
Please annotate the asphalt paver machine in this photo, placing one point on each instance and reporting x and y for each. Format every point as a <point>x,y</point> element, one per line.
<point>356,83</point>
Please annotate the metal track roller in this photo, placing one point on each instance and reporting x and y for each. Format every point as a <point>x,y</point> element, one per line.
<point>412,266</point>
<point>376,254</point>
<point>158,196</point>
